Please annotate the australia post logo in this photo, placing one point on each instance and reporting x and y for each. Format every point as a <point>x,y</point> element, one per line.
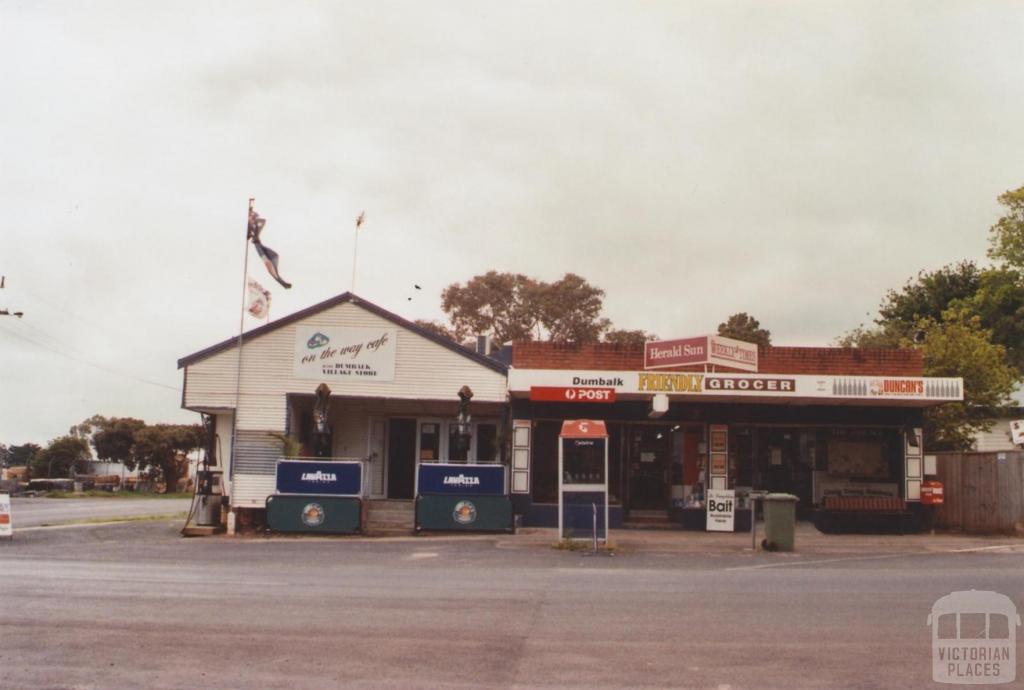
<point>574,394</point>
<point>319,477</point>
<point>461,480</point>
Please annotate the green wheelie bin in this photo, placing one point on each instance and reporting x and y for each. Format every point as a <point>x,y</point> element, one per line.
<point>779,522</point>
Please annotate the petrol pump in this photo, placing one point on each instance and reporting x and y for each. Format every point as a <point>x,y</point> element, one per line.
<point>583,480</point>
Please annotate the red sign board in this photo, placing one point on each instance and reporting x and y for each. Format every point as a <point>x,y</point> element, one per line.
<point>583,428</point>
<point>574,395</point>
<point>705,349</point>
<point>674,353</point>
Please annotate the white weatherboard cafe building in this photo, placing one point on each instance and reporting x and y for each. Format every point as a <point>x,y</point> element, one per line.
<point>392,404</point>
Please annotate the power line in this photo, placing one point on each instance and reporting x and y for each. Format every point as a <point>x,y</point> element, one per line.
<point>101,367</point>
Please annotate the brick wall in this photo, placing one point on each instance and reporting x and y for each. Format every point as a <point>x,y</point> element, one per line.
<point>771,360</point>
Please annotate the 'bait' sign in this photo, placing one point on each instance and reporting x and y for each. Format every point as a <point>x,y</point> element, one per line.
<point>721,510</point>
<point>345,354</point>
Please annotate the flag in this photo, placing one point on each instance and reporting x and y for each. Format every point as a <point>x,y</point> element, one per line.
<point>360,220</point>
<point>269,256</point>
<point>258,299</point>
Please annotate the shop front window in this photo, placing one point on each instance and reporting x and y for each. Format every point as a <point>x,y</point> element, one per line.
<point>430,442</point>
<point>486,443</point>
<point>458,444</point>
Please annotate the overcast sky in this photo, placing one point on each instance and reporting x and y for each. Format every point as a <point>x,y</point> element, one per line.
<point>791,160</point>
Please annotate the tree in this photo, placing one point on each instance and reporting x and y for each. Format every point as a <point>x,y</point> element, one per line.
<point>627,337</point>
<point>960,347</point>
<point>153,448</point>
<point>114,438</point>
<point>1006,237</point>
<point>511,306</point>
<point>504,305</point>
<point>21,456</point>
<point>929,294</point>
<point>157,448</point>
<point>570,310</point>
<point>745,327</point>
<point>994,295</point>
<point>61,456</point>
<point>998,301</point>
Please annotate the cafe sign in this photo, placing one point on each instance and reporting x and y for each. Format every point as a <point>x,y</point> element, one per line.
<point>702,350</point>
<point>347,354</point>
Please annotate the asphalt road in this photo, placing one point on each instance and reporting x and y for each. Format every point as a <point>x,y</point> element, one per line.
<point>135,606</point>
<point>34,512</point>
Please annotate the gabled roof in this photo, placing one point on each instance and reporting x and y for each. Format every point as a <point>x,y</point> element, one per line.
<point>333,302</point>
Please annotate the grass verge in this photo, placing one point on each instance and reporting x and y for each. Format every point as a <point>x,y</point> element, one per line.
<point>126,518</point>
<point>115,494</point>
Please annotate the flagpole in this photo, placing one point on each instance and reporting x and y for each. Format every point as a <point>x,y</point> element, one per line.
<point>238,370</point>
<point>355,247</point>
<point>355,251</point>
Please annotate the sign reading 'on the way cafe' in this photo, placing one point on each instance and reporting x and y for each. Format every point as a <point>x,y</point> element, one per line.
<point>352,354</point>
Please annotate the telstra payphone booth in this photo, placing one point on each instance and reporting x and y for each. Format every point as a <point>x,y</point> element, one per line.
<point>583,479</point>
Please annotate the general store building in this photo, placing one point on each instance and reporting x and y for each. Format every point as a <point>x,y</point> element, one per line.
<point>808,421</point>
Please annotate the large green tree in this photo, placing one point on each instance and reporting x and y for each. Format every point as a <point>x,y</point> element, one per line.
<point>22,456</point>
<point>743,326</point>
<point>155,449</point>
<point>61,456</point>
<point>961,347</point>
<point>998,304</point>
<point>995,295</point>
<point>158,449</point>
<point>956,346</point>
<point>1006,237</point>
<point>929,295</point>
<point>114,438</point>
<point>512,306</point>
<point>570,310</point>
<point>502,305</point>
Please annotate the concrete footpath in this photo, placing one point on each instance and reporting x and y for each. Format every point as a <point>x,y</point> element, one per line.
<point>809,541</point>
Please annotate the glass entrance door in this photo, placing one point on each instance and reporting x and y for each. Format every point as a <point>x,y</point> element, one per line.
<point>650,453</point>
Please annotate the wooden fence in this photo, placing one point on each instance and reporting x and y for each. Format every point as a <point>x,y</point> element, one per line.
<point>984,492</point>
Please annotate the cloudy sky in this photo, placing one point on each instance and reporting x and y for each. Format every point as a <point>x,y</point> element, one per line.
<point>792,160</point>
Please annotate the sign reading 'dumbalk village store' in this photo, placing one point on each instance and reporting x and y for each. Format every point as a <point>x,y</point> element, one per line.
<point>352,354</point>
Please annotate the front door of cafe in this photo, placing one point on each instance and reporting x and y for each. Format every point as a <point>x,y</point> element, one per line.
<point>649,449</point>
<point>401,479</point>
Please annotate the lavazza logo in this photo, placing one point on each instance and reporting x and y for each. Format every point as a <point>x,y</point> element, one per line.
<point>974,638</point>
<point>461,480</point>
<point>319,477</point>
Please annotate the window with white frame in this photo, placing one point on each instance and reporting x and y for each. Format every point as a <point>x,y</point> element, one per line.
<point>439,441</point>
